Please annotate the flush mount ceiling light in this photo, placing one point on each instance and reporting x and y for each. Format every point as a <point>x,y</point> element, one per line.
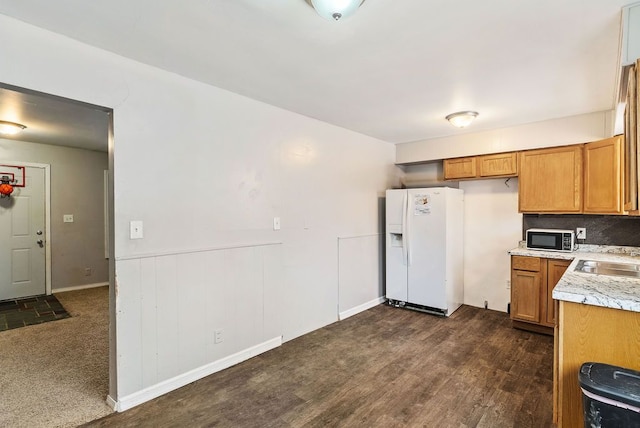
<point>335,10</point>
<point>10,128</point>
<point>462,119</point>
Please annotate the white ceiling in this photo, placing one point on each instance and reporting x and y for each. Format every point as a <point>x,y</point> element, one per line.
<point>54,120</point>
<point>393,70</point>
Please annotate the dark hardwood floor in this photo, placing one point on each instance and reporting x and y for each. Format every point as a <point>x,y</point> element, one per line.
<point>386,367</point>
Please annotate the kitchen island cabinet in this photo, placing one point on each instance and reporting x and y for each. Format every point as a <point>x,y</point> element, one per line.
<point>598,321</point>
<point>588,333</point>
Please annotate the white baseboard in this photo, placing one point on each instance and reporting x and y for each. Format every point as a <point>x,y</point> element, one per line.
<point>154,391</point>
<point>360,308</point>
<point>79,287</point>
<point>111,402</point>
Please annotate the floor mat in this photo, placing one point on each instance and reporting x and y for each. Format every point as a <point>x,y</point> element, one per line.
<point>29,311</point>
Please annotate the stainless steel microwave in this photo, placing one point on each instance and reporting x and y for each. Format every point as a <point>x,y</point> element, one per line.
<point>551,239</point>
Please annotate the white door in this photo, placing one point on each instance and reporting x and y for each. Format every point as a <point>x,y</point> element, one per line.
<point>426,221</point>
<point>396,258</point>
<point>22,235</point>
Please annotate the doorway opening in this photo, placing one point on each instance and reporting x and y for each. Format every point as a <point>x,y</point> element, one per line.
<point>70,143</point>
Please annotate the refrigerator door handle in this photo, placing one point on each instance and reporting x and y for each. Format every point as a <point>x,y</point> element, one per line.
<point>404,229</point>
<point>407,220</point>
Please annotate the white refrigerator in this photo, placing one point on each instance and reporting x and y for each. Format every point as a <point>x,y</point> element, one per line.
<point>424,252</point>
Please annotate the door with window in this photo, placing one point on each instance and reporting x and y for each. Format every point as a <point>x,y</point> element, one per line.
<point>22,238</point>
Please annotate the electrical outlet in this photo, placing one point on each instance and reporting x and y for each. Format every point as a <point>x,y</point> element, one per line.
<point>508,284</point>
<point>581,233</point>
<point>87,271</point>
<point>218,336</point>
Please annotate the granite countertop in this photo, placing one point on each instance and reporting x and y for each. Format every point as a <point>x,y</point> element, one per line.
<point>592,289</point>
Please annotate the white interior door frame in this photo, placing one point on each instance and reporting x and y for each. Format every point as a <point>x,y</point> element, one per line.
<point>47,215</point>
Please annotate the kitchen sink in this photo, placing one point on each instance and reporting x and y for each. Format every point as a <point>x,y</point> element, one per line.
<point>609,268</point>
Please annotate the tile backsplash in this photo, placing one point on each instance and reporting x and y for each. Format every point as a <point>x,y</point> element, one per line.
<point>601,229</point>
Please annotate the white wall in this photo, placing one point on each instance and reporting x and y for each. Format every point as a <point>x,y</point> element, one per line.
<point>203,169</point>
<point>556,132</point>
<point>492,226</point>
<point>360,273</point>
<point>77,187</point>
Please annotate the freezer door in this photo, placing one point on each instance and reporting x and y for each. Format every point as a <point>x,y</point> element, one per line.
<point>396,263</point>
<point>426,247</point>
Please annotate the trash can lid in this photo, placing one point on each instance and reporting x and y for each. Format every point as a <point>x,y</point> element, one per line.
<point>613,382</point>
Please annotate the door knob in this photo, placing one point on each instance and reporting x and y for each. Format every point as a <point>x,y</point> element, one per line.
<point>39,232</point>
<point>40,242</point>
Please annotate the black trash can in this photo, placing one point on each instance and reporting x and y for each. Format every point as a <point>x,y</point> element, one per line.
<point>610,396</point>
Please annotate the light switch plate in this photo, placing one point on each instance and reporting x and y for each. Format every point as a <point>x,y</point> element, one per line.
<point>135,230</point>
<point>276,223</point>
<point>67,218</point>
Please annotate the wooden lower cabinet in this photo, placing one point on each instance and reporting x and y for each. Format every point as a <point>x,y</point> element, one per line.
<point>555,270</point>
<point>589,333</point>
<point>532,282</point>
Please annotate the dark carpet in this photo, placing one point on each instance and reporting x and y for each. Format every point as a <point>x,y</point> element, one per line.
<point>29,311</point>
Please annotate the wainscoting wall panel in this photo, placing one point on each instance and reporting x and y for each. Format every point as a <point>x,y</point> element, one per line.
<point>213,303</point>
<point>360,273</point>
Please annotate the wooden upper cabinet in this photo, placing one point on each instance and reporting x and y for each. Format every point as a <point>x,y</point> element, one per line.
<point>500,165</point>
<point>459,168</point>
<point>631,146</point>
<point>603,176</point>
<point>485,166</point>
<point>550,180</point>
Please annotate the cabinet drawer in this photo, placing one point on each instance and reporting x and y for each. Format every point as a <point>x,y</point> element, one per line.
<point>525,263</point>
